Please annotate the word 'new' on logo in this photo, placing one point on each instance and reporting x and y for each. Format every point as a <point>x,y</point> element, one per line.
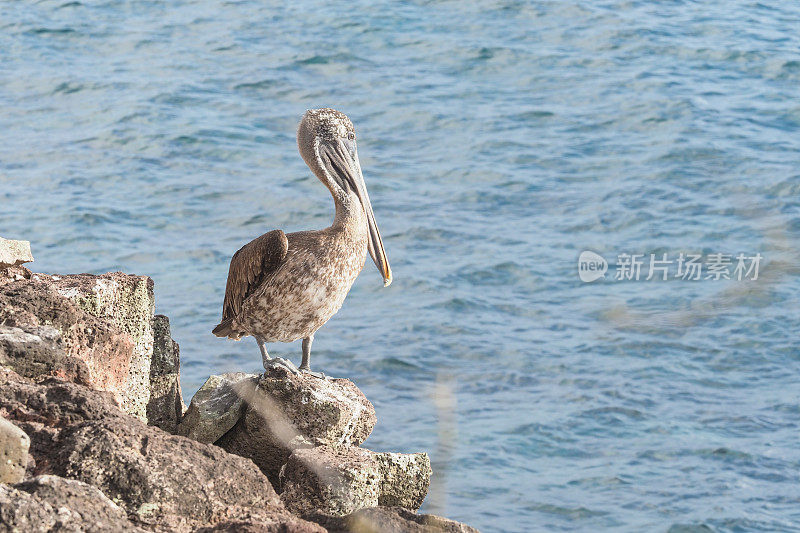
<point>591,266</point>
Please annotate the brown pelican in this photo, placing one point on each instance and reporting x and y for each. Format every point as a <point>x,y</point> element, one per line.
<point>285,287</point>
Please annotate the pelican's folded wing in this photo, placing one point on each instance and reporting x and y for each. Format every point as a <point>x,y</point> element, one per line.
<point>250,266</point>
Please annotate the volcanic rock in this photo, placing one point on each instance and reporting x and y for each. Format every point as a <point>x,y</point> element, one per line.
<point>389,520</point>
<point>94,330</point>
<point>335,481</point>
<point>14,253</point>
<point>338,481</point>
<point>14,445</point>
<point>165,407</point>
<point>159,480</point>
<point>217,406</point>
<point>51,503</point>
<point>405,479</point>
<point>287,411</point>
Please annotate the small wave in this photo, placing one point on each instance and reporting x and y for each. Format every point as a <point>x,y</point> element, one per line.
<point>346,60</point>
<point>263,84</point>
<point>689,528</point>
<point>50,31</point>
<point>570,512</point>
<point>68,88</point>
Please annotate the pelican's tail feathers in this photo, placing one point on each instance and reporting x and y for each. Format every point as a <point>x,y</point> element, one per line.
<point>225,329</point>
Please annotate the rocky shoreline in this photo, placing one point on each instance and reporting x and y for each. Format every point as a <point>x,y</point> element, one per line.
<point>94,434</point>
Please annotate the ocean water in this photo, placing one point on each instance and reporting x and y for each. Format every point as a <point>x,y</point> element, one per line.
<point>499,140</point>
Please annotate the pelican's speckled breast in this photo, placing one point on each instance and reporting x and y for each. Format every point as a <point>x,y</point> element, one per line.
<point>310,287</point>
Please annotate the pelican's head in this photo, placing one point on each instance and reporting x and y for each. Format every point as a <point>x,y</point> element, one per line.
<point>327,141</point>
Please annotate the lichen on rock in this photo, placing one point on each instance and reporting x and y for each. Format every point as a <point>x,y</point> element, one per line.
<point>405,479</point>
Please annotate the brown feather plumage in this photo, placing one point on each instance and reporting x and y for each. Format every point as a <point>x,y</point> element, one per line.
<point>250,265</point>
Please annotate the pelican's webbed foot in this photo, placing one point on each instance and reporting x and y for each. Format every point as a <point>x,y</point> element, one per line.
<point>281,362</point>
<point>270,362</point>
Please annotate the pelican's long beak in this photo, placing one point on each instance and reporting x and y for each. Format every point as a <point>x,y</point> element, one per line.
<point>341,158</point>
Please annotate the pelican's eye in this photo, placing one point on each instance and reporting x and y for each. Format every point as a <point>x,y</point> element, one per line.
<point>351,136</point>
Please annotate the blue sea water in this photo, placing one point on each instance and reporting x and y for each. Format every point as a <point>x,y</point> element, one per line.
<point>499,139</point>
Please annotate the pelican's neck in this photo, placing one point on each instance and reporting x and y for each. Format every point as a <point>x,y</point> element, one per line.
<point>350,215</point>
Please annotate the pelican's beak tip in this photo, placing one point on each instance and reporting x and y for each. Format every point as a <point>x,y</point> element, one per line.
<point>387,281</point>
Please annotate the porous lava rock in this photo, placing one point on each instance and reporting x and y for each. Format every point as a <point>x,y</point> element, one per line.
<point>286,411</point>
